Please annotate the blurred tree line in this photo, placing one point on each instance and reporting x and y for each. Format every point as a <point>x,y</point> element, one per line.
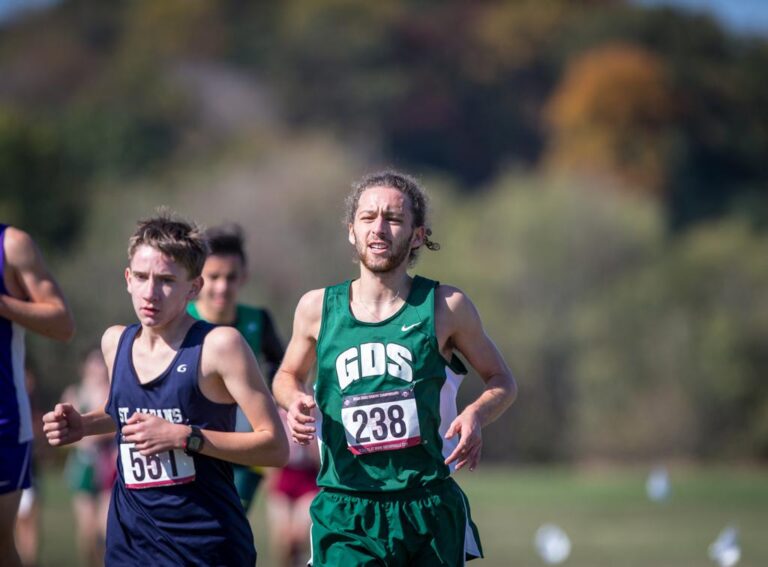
<point>598,170</point>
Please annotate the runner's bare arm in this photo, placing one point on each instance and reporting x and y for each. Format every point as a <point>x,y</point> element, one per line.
<point>460,328</point>
<point>39,304</point>
<point>292,378</point>
<point>267,444</point>
<point>65,425</point>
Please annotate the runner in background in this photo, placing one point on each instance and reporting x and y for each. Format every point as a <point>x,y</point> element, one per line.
<point>91,464</point>
<point>290,491</point>
<point>225,273</point>
<point>28,517</point>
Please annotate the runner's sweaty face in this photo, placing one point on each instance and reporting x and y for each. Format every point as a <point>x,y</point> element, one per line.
<point>382,232</point>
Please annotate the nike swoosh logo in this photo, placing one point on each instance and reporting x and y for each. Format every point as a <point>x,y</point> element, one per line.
<point>405,328</point>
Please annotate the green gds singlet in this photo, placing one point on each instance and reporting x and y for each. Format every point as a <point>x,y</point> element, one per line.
<point>385,394</point>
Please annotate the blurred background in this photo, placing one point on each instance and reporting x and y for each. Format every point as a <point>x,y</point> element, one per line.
<point>598,173</point>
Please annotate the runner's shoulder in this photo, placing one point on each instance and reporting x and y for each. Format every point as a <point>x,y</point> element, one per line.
<point>109,341</point>
<point>20,248</point>
<point>223,340</point>
<point>310,306</point>
<point>112,335</point>
<point>451,298</point>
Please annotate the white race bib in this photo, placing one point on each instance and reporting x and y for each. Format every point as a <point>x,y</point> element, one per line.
<point>163,469</point>
<point>380,421</point>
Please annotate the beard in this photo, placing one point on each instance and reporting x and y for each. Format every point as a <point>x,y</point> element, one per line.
<point>399,252</point>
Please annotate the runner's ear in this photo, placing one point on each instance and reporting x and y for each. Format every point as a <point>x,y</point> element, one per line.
<point>197,285</point>
<point>417,238</point>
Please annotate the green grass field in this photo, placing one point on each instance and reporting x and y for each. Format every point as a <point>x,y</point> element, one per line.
<point>605,513</point>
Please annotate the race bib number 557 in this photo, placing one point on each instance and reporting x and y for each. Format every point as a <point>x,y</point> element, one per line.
<point>162,469</point>
<point>380,421</point>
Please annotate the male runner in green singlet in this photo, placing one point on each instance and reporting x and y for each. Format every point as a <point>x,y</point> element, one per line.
<point>224,274</point>
<point>384,403</point>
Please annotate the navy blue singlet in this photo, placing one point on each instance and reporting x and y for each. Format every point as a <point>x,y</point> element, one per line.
<point>173,509</point>
<point>15,415</point>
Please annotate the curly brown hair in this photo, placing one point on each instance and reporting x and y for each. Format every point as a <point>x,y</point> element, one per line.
<point>407,185</point>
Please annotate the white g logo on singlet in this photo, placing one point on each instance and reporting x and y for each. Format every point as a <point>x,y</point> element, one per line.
<point>181,368</point>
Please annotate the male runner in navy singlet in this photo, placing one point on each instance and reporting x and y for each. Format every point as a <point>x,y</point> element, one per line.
<point>175,387</point>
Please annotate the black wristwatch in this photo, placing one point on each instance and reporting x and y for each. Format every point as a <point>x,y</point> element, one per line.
<point>195,441</point>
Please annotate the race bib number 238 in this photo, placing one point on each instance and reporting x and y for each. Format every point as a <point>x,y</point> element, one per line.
<point>380,421</point>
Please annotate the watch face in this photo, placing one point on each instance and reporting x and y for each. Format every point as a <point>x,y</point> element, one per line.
<point>194,444</point>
